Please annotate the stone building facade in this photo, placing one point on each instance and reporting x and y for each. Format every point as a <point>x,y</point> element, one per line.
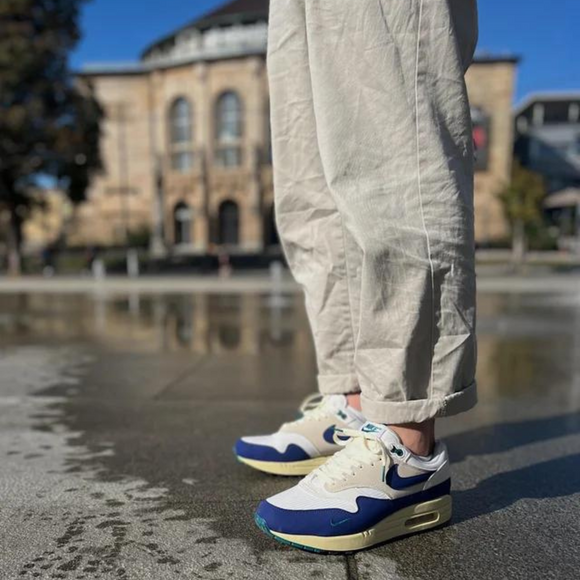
<point>490,83</point>
<point>186,142</point>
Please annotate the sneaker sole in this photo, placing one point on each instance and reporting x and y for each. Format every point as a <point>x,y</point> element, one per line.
<point>294,468</point>
<point>410,520</point>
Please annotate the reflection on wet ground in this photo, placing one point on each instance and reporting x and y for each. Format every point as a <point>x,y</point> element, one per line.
<point>527,344</point>
<point>118,415</point>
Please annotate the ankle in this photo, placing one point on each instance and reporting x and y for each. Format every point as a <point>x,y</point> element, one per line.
<point>353,401</point>
<point>417,437</point>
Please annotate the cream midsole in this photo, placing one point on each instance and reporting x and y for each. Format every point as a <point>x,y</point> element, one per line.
<point>416,518</point>
<point>291,468</point>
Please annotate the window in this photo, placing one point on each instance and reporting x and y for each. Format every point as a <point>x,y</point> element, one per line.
<point>181,135</point>
<point>182,223</point>
<point>271,237</point>
<point>228,224</point>
<point>576,145</point>
<point>556,112</point>
<point>267,157</point>
<point>229,130</point>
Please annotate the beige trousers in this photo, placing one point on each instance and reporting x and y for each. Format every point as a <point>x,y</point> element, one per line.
<point>373,177</point>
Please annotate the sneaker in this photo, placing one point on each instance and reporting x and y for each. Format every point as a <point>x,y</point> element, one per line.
<point>302,445</point>
<point>372,491</point>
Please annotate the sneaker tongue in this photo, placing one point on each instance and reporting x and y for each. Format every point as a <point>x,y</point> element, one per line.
<point>385,434</point>
<point>336,402</point>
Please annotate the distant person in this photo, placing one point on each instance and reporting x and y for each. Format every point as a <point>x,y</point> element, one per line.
<point>48,261</point>
<point>224,265</point>
<point>373,175</point>
<point>91,255</point>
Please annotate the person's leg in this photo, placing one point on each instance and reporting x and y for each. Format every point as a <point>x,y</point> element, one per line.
<point>394,134</point>
<point>317,247</point>
<point>312,233</point>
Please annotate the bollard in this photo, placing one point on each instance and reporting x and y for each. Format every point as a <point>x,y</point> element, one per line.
<point>276,300</point>
<point>276,271</point>
<point>132,264</point>
<point>99,270</point>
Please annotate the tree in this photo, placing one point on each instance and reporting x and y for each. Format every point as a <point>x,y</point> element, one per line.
<point>49,124</point>
<point>522,202</point>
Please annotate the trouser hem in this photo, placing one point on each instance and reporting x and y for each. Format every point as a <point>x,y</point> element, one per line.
<point>395,413</point>
<point>338,384</point>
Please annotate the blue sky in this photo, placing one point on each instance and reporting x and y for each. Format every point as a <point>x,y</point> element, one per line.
<point>545,33</point>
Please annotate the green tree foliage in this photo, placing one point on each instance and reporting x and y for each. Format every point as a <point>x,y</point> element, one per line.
<point>522,201</point>
<point>49,124</point>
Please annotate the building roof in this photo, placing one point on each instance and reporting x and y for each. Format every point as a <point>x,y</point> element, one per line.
<point>569,197</point>
<point>482,57</point>
<point>233,12</point>
<point>112,68</point>
<point>546,97</point>
<point>237,7</point>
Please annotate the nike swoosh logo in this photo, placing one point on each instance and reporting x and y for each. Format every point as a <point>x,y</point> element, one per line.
<point>334,524</point>
<point>395,481</point>
<point>328,435</point>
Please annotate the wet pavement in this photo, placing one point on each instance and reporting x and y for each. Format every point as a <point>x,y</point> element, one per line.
<point>118,413</point>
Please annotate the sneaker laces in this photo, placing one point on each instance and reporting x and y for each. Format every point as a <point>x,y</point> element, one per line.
<point>313,407</point>
<point>311,402</point>
<point>362,449</point>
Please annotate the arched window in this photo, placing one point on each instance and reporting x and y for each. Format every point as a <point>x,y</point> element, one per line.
<point>228,223</point>
<point>267,157</point>
<point>229,129</point>
<point>181,135</point>
<point>271,237</point>
<point>182,221</point>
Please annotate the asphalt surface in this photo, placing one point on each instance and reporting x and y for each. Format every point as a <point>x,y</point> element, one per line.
<point>118,414</point>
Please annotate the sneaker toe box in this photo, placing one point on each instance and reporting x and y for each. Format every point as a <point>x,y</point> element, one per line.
<point>259,449</point>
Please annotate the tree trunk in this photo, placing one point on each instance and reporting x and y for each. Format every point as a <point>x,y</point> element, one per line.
<point>519,243</point>
<point>14,244</point>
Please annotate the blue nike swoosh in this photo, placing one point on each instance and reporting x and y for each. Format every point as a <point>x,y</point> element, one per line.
<point>334,524</point>
<point>395,481</point>
<point>328,435</point>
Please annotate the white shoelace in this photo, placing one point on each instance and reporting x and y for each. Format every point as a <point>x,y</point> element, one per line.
<point>360,450</point>
<point>313,407</point>
<point>311,402</point>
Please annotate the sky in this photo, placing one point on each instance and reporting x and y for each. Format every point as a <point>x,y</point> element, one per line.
<point>544,33</point>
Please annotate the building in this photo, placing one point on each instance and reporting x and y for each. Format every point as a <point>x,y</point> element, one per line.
<point>547,129</point>
<point>490,83</point>
<point>186,144</point>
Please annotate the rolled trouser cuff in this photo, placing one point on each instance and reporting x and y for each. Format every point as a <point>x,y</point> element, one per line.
<point>338,384</point>
<point>395,413</point>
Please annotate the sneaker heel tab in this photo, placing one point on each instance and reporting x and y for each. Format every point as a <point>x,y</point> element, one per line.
<point>440,449</point>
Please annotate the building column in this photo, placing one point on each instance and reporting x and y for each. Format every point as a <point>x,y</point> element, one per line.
<point>157,244</point>
<point>203,122</point>
<point>255,238</point>
<point>201,214</point>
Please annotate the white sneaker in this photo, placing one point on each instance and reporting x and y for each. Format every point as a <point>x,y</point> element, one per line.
<point>302,445</point>
<point>372,491</point>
